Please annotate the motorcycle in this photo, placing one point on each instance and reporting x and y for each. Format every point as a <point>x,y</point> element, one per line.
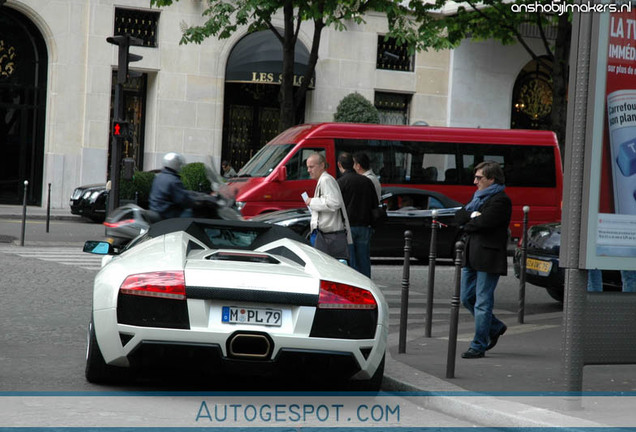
<point>130,220</point>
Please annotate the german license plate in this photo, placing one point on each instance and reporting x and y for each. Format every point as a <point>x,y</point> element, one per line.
<point>250,315</point>
<point>539,266</point>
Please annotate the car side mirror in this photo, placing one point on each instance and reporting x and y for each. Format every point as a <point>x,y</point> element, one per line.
<point>98,247</point>
<point>281,174</point>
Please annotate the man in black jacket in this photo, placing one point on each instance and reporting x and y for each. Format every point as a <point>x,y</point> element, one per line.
<point>168,197</point>
<point>360,199</point>
<point>485,221</point>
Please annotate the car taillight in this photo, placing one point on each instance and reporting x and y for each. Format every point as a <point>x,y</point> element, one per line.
<point>335,295</point>
<point>166,284</point>
<point>120,223</point>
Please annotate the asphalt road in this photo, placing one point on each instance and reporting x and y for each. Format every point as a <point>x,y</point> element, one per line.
<point>44,313</point>
<point>46,304</point>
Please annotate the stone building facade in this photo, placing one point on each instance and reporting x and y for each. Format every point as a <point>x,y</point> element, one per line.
<point>58,72</point>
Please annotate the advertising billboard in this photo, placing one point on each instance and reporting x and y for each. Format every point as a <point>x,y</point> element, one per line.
<point>611,232</point>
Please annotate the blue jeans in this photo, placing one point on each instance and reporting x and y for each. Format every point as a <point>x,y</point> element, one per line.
<point>478,296</point>
<point>629,280</point>
<point>594,280</point>
<point>360,250</point>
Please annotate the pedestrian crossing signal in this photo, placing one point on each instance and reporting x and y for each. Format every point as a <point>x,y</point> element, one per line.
<point>122,129</point>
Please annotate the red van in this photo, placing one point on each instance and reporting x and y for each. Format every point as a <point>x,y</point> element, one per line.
<point>433,158</point>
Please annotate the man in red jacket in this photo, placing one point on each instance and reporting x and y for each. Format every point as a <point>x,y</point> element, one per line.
<point>485,221</point>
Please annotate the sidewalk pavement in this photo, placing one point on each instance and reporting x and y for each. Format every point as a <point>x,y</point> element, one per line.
<point>39,213</point>
<point>520,382</point>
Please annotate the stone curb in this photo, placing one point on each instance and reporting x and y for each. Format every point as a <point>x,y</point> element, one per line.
<point>68,217</point>
<point>482,410</point>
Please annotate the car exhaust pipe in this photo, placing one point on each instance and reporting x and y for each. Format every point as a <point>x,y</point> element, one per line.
<point>256,346</point>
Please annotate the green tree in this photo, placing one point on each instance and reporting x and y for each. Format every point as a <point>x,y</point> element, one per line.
<point>355,108</point>
<point>223,18</point>
<point>502,20</point>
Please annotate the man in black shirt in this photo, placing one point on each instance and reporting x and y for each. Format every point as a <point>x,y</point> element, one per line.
<point>360,199</point>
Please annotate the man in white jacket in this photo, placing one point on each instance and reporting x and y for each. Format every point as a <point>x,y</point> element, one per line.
<point>328,212</point>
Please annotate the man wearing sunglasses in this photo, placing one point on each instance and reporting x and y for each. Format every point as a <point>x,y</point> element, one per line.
<point>484,221</point>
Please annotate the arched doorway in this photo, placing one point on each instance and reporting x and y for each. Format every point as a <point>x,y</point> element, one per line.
<point>23,70</point>
<point>251,107</point>
<point>532,96</point>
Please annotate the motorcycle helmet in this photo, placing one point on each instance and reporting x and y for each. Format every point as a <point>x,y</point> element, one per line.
<point>174,161</point>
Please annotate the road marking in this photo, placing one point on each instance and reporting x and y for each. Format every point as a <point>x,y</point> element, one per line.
<point>61,255</point>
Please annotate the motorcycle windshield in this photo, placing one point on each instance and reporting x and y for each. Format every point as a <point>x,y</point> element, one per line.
<point>218,184</point>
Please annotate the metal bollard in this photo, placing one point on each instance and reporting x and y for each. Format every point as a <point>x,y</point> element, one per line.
<point>522,267</point>
<point>432,256</point>
<point>48,208</point>
<point>404,306</point>
<point>137,197</point>
<point>454,319</point>
<point>24,209</point>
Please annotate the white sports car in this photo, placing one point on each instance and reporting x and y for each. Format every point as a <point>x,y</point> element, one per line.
<point>241,296</point>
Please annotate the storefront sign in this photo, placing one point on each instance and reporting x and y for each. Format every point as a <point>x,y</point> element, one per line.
<point>273,78</point>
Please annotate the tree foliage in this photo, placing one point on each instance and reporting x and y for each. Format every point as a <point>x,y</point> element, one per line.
<point>224,17</point>
<point>502,20</point>
<point>355,108</point>
<point>137,188</point>
<point>420,25</point>
<point>193,176</point>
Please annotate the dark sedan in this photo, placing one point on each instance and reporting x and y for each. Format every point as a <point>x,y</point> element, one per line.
<point>89,201</point>
<point>542,261</point>
<point>407,209</point>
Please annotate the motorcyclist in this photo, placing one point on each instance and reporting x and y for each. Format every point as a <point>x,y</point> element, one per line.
<point>168,197</point>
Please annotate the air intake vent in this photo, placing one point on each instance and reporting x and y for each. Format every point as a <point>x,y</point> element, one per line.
<point>243,257</point>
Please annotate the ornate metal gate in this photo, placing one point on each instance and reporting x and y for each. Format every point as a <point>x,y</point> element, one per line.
<point>23,70</point>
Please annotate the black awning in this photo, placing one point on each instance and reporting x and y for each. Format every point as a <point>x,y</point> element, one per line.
<point>258,58</point>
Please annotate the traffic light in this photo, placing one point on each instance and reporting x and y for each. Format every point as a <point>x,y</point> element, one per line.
<point>124,42</point>
<point>122,129</point>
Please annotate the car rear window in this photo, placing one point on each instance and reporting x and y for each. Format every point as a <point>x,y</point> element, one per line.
<point>233,238</point>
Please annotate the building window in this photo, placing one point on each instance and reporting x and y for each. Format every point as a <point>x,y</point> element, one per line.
<point>137,23</point>
<point>393,107</point>
<point>392,56</point>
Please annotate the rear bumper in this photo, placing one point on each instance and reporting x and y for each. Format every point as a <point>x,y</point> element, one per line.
<point>209,359</point>
<point>136,346</point>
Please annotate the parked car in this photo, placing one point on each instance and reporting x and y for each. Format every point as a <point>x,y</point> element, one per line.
<point>90,201</point>
<point>240,296</point>
<point>407,209</point>
<point>542,261</point>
